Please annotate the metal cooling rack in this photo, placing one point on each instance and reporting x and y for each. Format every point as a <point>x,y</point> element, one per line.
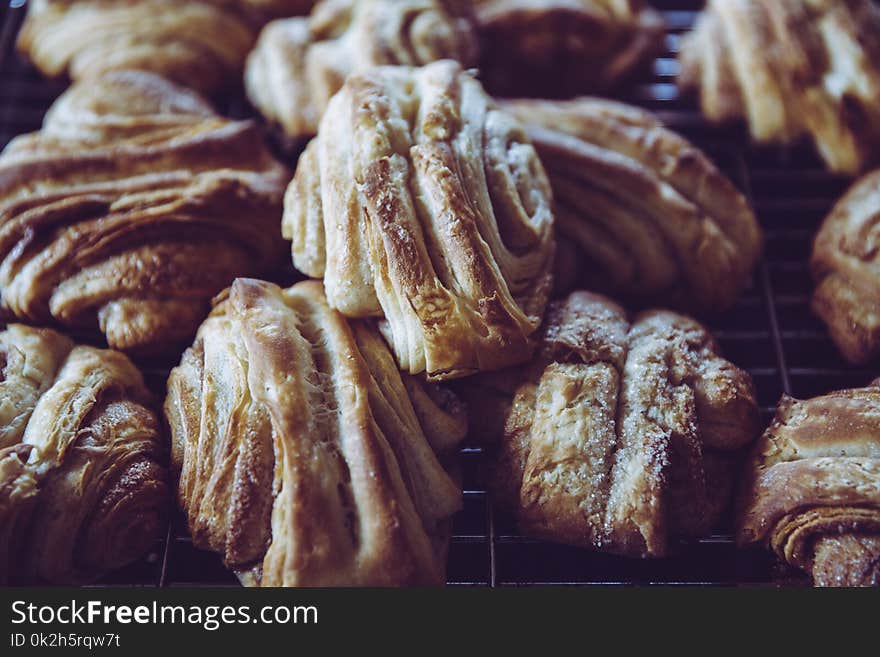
<point>771,332</point>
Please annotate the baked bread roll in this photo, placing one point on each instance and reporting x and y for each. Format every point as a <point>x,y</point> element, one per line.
<point>812,489</point>
<point>304,457</point>
<point>299,63</point>
<point>200,44</point>
<point>846,268</point>
<point>82,478</point>
<point>645,216</point>
<point>438,218</point>
<point>131,208</point>
<point>620,435</point>
<point>555,48</point>
<point>792,69</point>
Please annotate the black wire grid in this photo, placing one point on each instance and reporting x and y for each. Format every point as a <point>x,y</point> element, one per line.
<point>771,332</point>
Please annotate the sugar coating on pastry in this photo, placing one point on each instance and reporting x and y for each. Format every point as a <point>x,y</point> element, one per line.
<point>792,69</point>
<point>299,63</point>
<point>811,491</point>
<point>621,435</point>
<point>131,208</point>
<point>424,205</point>
<point>82,460</point>
<point>642,214</point>
<point>558,48</point>
<point>305,458</point>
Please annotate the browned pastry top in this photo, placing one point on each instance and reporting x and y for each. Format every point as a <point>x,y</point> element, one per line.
<point>557,48</point>
<point>131,208</point>
<point>645,215</point>
<point>305,457</point>
<point>299,63</point>
<point>618,436</point>
<point>846,268</point>
<point>812,491</point>
<point>792,68</point>
<point>82,482</point>
<point>421,203</point>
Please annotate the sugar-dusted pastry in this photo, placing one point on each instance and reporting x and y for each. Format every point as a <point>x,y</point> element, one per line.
<point>421,203</point>
<point>299,63</point>
<point>200,44</point>
<point>792,69</point>
<point>846,268</point>
<point>641,213</point>
<point>131,208</point>
<point>554,48</point>
<point>812,488</point>
<point>305,457</point>
<point>621,434</point>
<point>82,477</point>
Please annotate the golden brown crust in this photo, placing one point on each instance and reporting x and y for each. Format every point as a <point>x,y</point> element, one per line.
<point>125,212</point>
<point>846,268</point>
<point>439,218</point>
<point>82,482</point>
<point>555,48</point>
<point>792,68</point>
<point>299,64</point>
<point>649,215</point>
<point>304,458</point>
<point>812,489</point>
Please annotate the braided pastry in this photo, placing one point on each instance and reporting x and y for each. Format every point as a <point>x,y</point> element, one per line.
<point>131,208</point>
<point>438,218</point>
<point>555,48</point>
<point>300,63</point>
<point>792,68</point>
<point>619,436</point>
<point>305,457</point>
<point>812,491</point>
<point>82,485</point>
<point>645,214</point>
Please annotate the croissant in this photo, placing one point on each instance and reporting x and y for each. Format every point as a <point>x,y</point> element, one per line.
<point>305,458</point>
<point>82,477</point>
<point>131,208</point>
<point>439,218</point>
<point>555,48</point>
<point>792,69</point>
<point>812,490</point>
<point>620,435</point>
<point>846,268</point>
<point>641,213</point>
<point>299,63</point>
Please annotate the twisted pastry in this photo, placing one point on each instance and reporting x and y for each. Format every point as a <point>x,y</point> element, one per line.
<point>82,482</point>
<point>131,208</point>
<point>647,216</point>
<point>300,63</point>
<point>619,436</point>
<point>792,68</point>
<point>555,48</point>
<point>846,268</point>
<point>438,218</point>
<point>305,457</point>
<point>812,490</point>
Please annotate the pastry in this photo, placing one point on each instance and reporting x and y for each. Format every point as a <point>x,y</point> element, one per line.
<point>82,478</point>
<point>812,489</point>
<point>792,69</point>
<point>201,44</point>
<point>640,212</point>
<point>131,208</point>
<point>846,268</point>
<point>555,48</point>
<point>305,458</point>
<point>621,435</point>
<point>299,63</point>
